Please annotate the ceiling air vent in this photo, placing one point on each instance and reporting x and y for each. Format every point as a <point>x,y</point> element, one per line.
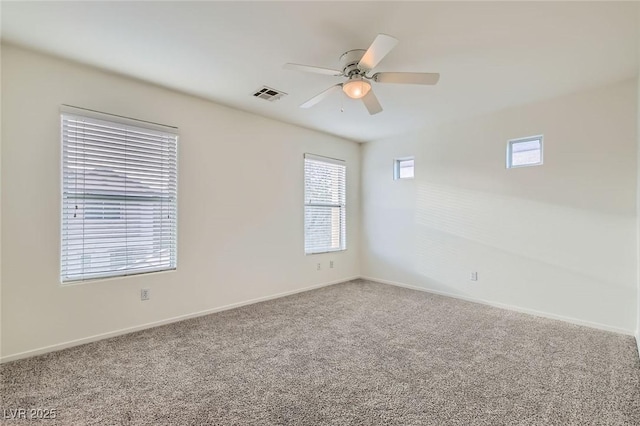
<point>268,94</point>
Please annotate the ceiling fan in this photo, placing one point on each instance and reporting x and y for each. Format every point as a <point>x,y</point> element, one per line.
<point>355,66</point>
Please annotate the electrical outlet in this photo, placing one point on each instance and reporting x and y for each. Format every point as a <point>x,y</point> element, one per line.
<point>331,264</point>
<point>145,294</point>
<point>319,266</point>
<point>474,276</point>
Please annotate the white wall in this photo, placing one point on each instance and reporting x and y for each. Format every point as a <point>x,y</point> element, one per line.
<point>638,195</point>
<point>638,209</point>
<point>240,207</point>
<point>1,190</point>
<point>559,239</point>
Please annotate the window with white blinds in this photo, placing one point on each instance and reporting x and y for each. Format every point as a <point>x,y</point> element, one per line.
<point>119,196</point>
<point>324,204</point>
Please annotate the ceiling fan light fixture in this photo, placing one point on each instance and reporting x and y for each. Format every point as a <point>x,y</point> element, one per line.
<point>356,88</point>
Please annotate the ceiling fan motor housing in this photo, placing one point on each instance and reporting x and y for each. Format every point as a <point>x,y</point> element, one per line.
<point>349,62</point>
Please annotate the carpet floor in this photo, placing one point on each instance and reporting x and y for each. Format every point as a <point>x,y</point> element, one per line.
<point>357,353</point>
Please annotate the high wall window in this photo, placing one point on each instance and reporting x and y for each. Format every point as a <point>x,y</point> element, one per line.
<point>524,152</point>
<point>119,196</point>
<point>403,168</point>
<point>324,204</point>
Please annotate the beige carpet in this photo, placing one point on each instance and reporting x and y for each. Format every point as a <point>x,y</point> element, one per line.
<point>357,353</point>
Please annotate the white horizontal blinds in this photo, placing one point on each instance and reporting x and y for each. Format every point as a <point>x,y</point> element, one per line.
<point>119,199</point>
<point>525,152</point>
<point>324,204</point>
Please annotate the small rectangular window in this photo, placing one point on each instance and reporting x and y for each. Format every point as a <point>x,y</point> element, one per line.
<point>524,152</point>
<point>119,196</point>
<point>403,168</point>
<point>324,204</point>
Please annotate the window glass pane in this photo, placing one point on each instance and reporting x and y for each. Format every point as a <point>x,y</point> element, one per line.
<point>406,169</point>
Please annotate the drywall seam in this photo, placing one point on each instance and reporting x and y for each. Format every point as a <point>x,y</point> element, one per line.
<point>510,307</point>
<point>102,336</point>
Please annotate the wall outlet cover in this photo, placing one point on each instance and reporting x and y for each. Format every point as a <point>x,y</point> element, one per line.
<point>145,294</point>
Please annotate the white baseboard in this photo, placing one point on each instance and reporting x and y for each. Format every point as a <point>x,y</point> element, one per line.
<point>82,341</point>
<point>512,308</point>
<point>638,341</point>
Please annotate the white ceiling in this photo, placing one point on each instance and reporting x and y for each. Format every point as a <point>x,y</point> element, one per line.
<point>490,54</point>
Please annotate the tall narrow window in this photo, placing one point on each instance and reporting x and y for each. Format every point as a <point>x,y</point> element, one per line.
<point>119,196</point>
<point>324,204</point>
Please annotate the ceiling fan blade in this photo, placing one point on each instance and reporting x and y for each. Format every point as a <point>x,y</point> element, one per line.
<point>378,50</point>
<point>372,104</point>
<point>309,68</point>
<point>321,96</point>
<point>406,77</point>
